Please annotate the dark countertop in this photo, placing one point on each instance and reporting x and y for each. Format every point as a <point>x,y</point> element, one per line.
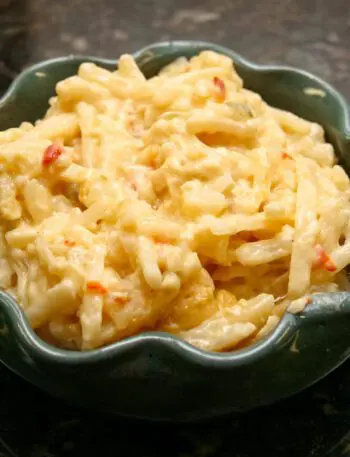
<point>312,34</point>
<point>314,423</point>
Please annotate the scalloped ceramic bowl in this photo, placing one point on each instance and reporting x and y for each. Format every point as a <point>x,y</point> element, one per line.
<point>155,375</point>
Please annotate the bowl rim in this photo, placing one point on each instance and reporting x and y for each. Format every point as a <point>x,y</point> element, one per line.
<point>288,325</point>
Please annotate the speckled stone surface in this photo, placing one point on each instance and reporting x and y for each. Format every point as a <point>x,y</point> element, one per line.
<point>312,34</point>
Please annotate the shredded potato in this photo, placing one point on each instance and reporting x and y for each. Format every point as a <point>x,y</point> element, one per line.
<point>183,203</point>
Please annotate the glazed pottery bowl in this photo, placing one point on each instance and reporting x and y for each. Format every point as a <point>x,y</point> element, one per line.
<point>156,375</point>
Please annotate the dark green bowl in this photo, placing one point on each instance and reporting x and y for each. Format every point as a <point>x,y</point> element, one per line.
<point>155,375</point>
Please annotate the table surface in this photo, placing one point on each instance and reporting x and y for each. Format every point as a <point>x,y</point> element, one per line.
<point>312,34</point>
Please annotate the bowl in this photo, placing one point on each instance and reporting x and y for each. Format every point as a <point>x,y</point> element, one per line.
<point>156,375</point>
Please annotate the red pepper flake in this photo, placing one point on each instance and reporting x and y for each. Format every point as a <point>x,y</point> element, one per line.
<point>220,85</point>
<point>286,156</point>
<point>324,260</point>
<point>121,300</point>
<point>331,266</point>
<point>69,243</point>
<point>51,154</point>
<point>95,286</point>
<point>308,301</point>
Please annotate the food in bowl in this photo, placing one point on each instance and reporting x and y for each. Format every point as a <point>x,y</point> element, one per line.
<point>182,203</point>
